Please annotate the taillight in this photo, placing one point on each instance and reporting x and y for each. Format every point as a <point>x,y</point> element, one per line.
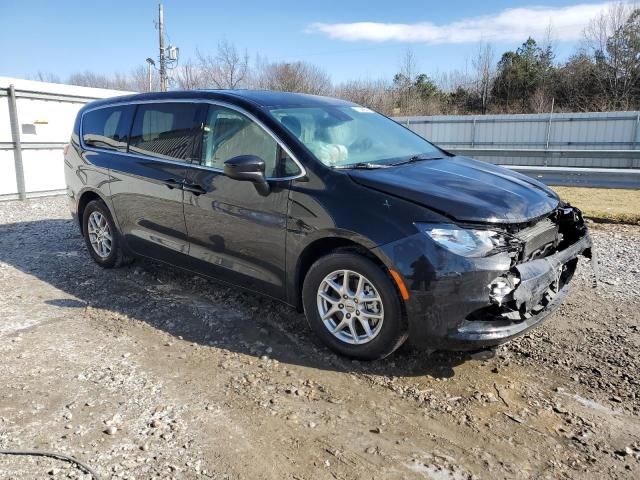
<point>66,149</point>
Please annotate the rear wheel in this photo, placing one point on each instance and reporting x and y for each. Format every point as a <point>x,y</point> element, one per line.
<point>101,236</point>
<point>352,305</point>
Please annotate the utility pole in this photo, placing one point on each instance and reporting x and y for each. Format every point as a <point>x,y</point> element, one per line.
<point>163,61</point>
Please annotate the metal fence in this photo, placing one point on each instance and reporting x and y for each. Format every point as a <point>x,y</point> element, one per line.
<point>36,119</point>
<point>595,140</point>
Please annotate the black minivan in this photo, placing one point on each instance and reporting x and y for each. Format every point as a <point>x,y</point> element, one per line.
<point>377,234</point>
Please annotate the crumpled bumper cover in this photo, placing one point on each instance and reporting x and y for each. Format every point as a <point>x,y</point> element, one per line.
<point>535,278</point>
<point>537,275</point>
<point>445,289</point>
<point>479,334</point>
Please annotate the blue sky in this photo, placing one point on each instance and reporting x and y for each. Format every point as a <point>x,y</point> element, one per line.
<point>349,39</point>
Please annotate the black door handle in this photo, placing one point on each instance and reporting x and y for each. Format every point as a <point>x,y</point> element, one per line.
<point>171,183</point>
<point>193,188</point>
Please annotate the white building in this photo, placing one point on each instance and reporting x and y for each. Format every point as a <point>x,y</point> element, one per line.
<point>45,116</point>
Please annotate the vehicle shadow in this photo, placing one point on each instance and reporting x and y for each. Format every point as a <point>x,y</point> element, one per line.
<point>199,310</point>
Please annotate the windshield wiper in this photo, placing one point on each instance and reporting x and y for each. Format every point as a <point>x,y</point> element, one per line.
<point>417,158</point>
<point>360,166</point>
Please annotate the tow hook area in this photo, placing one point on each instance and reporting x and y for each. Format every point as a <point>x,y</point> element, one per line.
<point>529,287</point>
<point>501,289</point>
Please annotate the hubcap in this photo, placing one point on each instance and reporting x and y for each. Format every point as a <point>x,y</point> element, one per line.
<point>99,234</point>
<point>350,307</point>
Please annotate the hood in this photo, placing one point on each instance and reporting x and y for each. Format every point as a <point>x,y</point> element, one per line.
<point>465,189</point>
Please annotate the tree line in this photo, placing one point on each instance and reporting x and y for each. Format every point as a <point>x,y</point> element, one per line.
<point>603,74</point>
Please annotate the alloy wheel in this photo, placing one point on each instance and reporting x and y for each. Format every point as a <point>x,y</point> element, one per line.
<point>350,307</point>
<point>99,234</point>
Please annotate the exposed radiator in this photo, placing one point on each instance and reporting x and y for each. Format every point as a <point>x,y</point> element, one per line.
<point>538,238</point>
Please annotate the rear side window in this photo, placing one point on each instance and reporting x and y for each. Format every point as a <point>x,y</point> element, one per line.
<point>107,127</point>
<point>166,130</point>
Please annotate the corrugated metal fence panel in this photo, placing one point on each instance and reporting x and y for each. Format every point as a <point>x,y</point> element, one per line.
<point>560,131</point>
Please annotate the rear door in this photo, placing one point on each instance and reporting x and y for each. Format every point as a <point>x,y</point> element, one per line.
<point>147,183</point>
<point>236,233</point>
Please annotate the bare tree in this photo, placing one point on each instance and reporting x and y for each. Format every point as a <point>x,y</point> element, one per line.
<point>375,94</point>
<point>233,66</point>
<point>138,80</point>
<point>408,66</point>
<point>189,76</point>
<point>46,77</point>
<point>300,77</point>
<point>613,37</point>
<point>404,82</point>
<point>227,69</point>
<point>543,98</point>
<point>115,81</point>
<point>484,69</point>
<point>90,79</point>
<point>121,81</point>
<point>451,80</point>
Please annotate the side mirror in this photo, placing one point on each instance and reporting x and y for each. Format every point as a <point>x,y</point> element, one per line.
<point>248,168</point>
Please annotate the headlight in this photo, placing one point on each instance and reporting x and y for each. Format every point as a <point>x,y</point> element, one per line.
<point>463,241</point>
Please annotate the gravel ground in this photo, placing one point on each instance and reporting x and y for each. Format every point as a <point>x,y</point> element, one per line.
<point>149,372</point>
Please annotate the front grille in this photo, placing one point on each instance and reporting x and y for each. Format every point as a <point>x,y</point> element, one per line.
<point>539,239</point>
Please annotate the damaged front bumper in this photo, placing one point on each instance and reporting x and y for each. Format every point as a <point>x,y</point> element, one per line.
<point>543,285</point>
<point>459,303</point>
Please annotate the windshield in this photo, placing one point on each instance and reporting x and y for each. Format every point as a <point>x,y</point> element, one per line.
<point>351,135</point>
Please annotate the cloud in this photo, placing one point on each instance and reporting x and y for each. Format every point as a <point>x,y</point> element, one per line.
<point>512,24</point>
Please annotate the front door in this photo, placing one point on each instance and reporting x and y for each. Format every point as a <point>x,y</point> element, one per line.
<point>146,188</point>
<point>235,233</point>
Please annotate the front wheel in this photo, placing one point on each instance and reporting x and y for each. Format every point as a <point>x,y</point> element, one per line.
<point>352,305</point>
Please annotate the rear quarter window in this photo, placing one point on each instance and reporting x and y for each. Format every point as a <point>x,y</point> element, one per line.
<point>107,128</point>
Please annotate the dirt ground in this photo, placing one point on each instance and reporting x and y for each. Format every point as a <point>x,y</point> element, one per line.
<point>149,372</point>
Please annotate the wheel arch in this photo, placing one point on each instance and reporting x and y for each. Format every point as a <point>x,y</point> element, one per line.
<point>319,248</point>
<point>85,197</point>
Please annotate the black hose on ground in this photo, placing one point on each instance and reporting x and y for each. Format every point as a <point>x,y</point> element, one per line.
<point>58,456</point>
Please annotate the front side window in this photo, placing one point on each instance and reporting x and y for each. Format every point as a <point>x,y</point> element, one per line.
<point>166,130</point>
<point>228,133</point>
<point>352,134</point>
<point>107,127</point>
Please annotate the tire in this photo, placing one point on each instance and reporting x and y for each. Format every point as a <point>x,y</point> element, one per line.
<point>95,214</point>
<point>319,297</point>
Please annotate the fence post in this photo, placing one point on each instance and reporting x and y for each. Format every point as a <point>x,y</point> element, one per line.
<point>636,133</point>
<point>473,133</point>
<point>549,131</point>
<point>17,145</point>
